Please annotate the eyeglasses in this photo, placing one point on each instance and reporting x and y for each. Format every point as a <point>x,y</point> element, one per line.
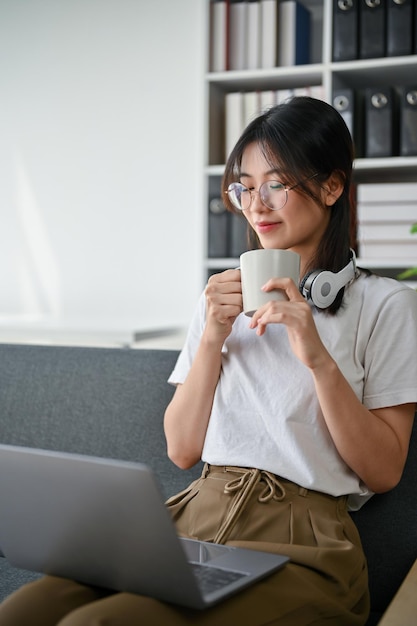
<point>272,194</point>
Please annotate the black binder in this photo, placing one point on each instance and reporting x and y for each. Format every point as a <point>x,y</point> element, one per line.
<point>372,22</point>
<point>399,27</point>
<point>343,100</point>
<point>218,229</point>
<point>408,121</point>
<point>349,103</point>
<point>379,122</point>
<point>415,27</point>
<point>238,234</point>
<point>345,30</point>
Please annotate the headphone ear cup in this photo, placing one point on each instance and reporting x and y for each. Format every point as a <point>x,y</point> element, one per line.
<point>319,287</point>
<point>324,289</point>
<point>306,282</point>
<point>322,286</point>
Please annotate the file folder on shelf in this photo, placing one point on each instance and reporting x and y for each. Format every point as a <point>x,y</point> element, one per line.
<point>218,229</point>
<point>349,103</point>
<point>379,122</point>
<point>372,18</point>
<point>415,27</point>
<point>343,101</point>
<point>399,27</point>
<point>408,121</point>
<point>238,234</point>
<point>345,30</point>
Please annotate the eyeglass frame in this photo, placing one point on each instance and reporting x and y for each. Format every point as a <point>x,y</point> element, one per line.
<point>253,191</point>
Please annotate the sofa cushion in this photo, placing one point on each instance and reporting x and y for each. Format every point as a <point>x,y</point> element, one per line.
<point>388,528</point>
<point>12,578</point>
<point>105,402</point>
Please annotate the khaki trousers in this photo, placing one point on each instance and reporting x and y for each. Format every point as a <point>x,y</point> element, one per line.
<point>324,584</point>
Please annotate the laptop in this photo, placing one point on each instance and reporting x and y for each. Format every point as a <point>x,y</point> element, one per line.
<point>104,523</point>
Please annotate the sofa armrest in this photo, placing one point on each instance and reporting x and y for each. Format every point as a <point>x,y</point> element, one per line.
<point>403,608</point>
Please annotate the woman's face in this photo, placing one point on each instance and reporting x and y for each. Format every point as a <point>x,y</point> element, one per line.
<point>301,222</point>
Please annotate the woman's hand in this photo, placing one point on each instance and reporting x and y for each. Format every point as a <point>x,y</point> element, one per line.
<point>296,314</point>
<point>224,303</point>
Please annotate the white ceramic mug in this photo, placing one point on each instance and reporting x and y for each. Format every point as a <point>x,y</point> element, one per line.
<point>257,267</point>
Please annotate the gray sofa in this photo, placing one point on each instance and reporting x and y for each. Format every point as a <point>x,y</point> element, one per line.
<point>110,402</point>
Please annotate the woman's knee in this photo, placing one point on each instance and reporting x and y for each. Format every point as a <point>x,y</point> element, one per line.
<point>126,609</point>
<point>45,601</point>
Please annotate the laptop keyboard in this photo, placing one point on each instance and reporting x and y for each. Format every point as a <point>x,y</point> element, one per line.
<point>213,578</point>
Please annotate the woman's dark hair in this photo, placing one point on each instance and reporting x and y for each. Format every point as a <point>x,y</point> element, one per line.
<point>303,137</point>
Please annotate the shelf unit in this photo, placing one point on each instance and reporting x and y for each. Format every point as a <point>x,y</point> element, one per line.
<point>356,74</point>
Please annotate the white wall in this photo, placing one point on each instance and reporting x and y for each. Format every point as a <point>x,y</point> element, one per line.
<point>101,117</point>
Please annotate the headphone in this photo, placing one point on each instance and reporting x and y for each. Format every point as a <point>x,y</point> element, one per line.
<point>322,287</point>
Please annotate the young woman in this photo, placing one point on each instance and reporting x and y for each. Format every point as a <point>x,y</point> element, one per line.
<point>300,413</point>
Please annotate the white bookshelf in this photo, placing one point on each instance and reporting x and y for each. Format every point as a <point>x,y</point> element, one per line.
<point>356,74</point>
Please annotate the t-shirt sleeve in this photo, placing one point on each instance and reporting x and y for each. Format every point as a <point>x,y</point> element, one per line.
<point>192,341</point>
<point>391,354</point>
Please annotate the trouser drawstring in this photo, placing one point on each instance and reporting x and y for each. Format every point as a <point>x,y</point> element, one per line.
<point>243,487</point>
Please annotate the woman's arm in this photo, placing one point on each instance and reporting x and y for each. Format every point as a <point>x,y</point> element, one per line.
<point>187,416</point>
<point>374,444</point>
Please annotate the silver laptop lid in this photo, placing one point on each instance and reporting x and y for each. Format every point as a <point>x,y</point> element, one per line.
<point>104,522</point>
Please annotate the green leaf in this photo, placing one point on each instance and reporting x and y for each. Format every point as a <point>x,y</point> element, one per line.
<point>413,270</point>
<point>407,273</point>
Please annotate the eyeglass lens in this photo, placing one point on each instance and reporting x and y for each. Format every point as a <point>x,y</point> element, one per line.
<point>272,193</point>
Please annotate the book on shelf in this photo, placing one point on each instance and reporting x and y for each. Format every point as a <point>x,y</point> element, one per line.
<point>294,26</point>
<point>253,35</point>
<point>238,24</point>
<point>387,193</point>
<point>219,25</point>
<point>269,33</point>
<point>391,251</point>
<point>242,107</point>
<point>284,94</point>
<point>251,106</point>
<point>385,214</point>
<point>233,121</point>
<point>385,231</point>
<point>314,91</point>
<point>267,99</point>
<point>258,34</point>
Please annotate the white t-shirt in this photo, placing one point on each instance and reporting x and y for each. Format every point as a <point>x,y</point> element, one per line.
<point>265,411</point>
